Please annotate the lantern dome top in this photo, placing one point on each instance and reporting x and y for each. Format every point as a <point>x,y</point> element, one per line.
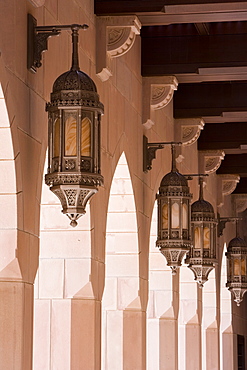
<point>74,80</point>
<point>202,206</point>
<point>237,243</point>
<point>173,179</point>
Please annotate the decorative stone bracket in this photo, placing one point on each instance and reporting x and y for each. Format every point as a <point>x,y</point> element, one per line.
<point>157,93</point>
<point>115,36</point>
<point>226,185</point>
<point>239,202</point>
<point>188,130</point>
<point>210,160</point>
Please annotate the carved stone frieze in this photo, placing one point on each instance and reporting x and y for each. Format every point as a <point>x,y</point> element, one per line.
<point>157,94</point>
<point>188,130</point>
<point>239,202</point>
<point>210,160</point>
<point>229,183</point>
<point>226,185</point>
<point>115,37</point>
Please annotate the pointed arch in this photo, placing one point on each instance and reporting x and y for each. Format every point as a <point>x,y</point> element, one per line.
<point>121,306</point>
<point>8,197</point>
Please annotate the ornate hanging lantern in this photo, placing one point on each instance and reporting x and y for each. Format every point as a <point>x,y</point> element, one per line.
<point>174,235</point>
<point>202,256</point>
<point>237,268</point>
<point>74,138</point>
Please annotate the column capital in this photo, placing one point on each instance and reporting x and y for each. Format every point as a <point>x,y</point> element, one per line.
<point>227,184</point>
<point>115,37</point>
<point>157,93</point>
<point>187,130</point>
<point>239,202</point>
<point>210,160</point>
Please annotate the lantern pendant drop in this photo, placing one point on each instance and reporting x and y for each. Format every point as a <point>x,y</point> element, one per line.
<point>174,239</point>
<point>74,138</point>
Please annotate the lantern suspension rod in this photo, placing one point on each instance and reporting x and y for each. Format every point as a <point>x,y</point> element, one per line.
<point>37,40</point>
<point>201,188</point>
<point>149,151</point>
<point>75,55</point>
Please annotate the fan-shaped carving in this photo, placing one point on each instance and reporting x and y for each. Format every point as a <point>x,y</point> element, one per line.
<point>211,160</point>
<point>115,37</point>
<point>229,183</point>
<point>120,40</point>
<point>239,202</point>
<point>188,129</point>
<point>162,95</point>
<point>157,94</point>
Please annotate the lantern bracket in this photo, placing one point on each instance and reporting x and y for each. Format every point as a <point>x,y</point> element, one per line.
<point>149,151</point>
<point>222,223</point>
<point>190,176</point>
<point>37,38</point>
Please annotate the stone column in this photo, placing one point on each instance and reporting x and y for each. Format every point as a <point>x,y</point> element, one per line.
<point>210,325</point>
<point>190,311</point>
<point>162,325</point>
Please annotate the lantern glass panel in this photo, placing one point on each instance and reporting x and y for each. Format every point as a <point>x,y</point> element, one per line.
<point>165,216</point>
<point>230,267</point>
<point>197,237</point>
<point>206,237</point>
<point>236,267</point>
<point>243,266</point>
<point>175,215</point>
<point>70,135</point>
<point>185,216</point>
<point>56,141</point>
<point>86,137</point>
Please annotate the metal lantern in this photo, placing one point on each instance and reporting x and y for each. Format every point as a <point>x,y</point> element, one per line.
<point>174,238</point>
<point>74,138</point>
<point>202,256</point>
<point>237,268</point>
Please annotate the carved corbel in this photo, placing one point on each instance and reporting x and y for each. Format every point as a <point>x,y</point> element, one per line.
<point>226,185</point>
<point>239,202</point>
<point>188,130</point>
<point>115,37</point>
<point>210,160</point>
<point>157,94</point>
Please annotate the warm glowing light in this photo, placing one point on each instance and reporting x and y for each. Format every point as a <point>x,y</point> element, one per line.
<point>86,137</point>
<point>70,136</point>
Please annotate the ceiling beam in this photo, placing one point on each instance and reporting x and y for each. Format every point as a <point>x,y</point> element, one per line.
<point>179,49</point>
<point>241,186</point>
<point>223,136</point>
<point>210,99</point>
<point>103,7</point>
<point>162,12</point>
<point>234,164</point>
